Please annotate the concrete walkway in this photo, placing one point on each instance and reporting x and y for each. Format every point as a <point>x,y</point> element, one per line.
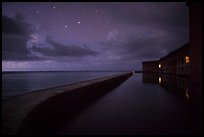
<point>16,109</point>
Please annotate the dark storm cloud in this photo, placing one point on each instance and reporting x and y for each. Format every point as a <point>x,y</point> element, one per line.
<point>61,50</point>
<point>16,44</point>
<point>15,26</point>
<point>14,48</point>
<point>15,33</point>
<point>12,56</point>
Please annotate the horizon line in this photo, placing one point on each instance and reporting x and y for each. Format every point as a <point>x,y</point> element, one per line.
<point>63,70</point>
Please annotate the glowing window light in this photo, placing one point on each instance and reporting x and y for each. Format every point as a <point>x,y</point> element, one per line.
<point>159,65</point>
<point>160,80</point>
<point>187,59</point>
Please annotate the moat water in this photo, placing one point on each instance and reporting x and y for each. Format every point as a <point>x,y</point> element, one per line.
<point>144,104</point>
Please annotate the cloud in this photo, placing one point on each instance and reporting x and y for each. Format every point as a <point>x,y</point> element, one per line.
<point>15,33</point>
<point>112,35</point>
<point>139,46</point>
<point>15,26</point>
<point>20,42</point>
<point>158,28</point>
<point>61,50</point>
<point>12,56</point>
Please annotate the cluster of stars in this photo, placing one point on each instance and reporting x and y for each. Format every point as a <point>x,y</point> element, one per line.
<point>37,12</point>
<point>66,27</point>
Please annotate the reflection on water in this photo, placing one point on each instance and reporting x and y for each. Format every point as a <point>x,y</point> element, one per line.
<point>144,104</point>
<point>187,93</point>
<point>180,86</point>
<point>159,80</point>
<point>184,90</point>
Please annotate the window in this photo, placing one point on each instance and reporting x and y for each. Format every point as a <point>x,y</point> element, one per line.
<point>187,59</point>
<point>159,65</point>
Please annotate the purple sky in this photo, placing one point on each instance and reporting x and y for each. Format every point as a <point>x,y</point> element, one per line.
<point>90,36</point>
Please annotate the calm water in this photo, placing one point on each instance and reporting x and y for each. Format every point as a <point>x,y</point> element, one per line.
<point>144,104</point>
<point>16,83</point>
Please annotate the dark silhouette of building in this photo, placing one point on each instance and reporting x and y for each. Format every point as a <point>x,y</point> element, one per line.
<point>150,66</point>
<point>176,62</point>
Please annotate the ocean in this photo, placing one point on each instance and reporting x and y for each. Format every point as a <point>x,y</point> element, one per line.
<point>17,83</point>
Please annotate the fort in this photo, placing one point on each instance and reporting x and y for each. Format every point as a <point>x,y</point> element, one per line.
<point>176,62</point>
<point>186,60</point>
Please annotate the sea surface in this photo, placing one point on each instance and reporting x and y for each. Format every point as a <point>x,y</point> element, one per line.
<point>17,83</point>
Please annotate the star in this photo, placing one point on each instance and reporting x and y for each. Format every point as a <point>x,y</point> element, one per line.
<point>78,22</point>
<point>54,7</point>
<point>96,11</point>
<point>37,11</point>
<point>65,26</point>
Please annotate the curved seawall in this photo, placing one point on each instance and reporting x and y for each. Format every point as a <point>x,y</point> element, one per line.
<point>40,112</point>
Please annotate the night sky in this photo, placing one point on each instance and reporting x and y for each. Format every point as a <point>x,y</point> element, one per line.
<point>90,36</point>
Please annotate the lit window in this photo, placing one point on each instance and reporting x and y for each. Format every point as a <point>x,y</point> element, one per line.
<point>159,65</point>
<point>187,59</point>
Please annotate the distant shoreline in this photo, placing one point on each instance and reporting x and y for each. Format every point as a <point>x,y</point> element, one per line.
<point>72,71</point>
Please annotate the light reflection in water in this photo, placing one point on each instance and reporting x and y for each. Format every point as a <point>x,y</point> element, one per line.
<point>174,84</point>
<point>187,94</point>
<point>159,80</point>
